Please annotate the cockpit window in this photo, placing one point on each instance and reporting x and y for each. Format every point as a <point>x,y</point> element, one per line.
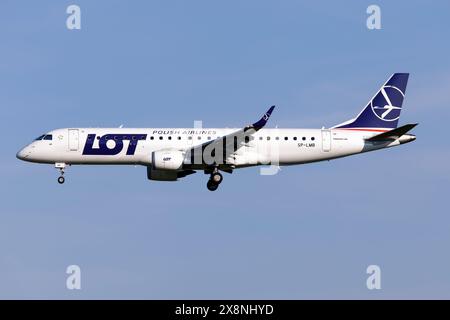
<point>44,137</point>
<point>40,137</point>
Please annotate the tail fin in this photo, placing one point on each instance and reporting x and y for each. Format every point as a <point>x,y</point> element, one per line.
<point>383,110</point>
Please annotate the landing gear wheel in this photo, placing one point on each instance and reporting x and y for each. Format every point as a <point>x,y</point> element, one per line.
<point>60,166</point>
<point>216,177</point>
<point>212,186</point>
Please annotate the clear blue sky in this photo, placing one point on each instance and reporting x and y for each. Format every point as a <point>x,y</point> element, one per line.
<point>308,232</point>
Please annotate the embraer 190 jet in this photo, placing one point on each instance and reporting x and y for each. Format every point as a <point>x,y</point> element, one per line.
<point>173,153</point>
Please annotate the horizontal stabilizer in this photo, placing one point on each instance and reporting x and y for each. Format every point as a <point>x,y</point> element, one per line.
<point>393,134</point>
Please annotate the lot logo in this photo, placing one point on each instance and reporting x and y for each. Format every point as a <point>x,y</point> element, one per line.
<point>385,103</point>
<point>112,144</point>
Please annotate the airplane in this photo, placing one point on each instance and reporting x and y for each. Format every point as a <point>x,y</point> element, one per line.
<point>170,154</point>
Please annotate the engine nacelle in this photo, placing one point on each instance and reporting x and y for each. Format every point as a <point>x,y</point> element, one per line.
<point>162,175</point>
<point>167,160</point>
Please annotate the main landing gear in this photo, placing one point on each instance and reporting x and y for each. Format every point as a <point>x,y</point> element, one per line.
<point>214,180</point>
<point>60,166</point>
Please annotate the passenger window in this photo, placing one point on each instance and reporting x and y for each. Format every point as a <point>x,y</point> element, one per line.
<point>189,138</point>
<point>160,137</point>
<point>260,138</point>
<point>268,138</point>
<point>151,138</point>
<point>199,137</point>
<point>247,139</point>
<point>170,138</point>
<point>179,138</point>
<point>304,138</point>
<point>312,138</point>
<point>295,138</point>
<point>285,138</point>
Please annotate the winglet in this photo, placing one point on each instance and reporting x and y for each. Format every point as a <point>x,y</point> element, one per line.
<point>262,122</point>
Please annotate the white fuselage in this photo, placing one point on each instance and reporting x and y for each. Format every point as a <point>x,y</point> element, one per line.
<point>173,153</point>
<point>136,145</point>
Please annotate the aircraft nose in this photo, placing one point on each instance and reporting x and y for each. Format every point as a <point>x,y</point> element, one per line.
<point>23,153</point>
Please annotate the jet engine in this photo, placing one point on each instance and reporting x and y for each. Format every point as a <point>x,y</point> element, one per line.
<point>166,165</point>
<point>167,160</point>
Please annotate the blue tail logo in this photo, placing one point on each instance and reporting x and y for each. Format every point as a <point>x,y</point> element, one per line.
<point>382,104</point>
<point>383,110</point>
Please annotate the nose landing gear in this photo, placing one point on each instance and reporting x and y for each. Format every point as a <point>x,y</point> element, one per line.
<point>214,180</point>
<point>60,166</point>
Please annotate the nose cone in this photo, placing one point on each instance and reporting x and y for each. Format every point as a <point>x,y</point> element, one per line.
<point>23,154</point>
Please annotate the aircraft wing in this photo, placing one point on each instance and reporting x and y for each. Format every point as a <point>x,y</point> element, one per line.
<point>230,143</point>
<point>393,134</point>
